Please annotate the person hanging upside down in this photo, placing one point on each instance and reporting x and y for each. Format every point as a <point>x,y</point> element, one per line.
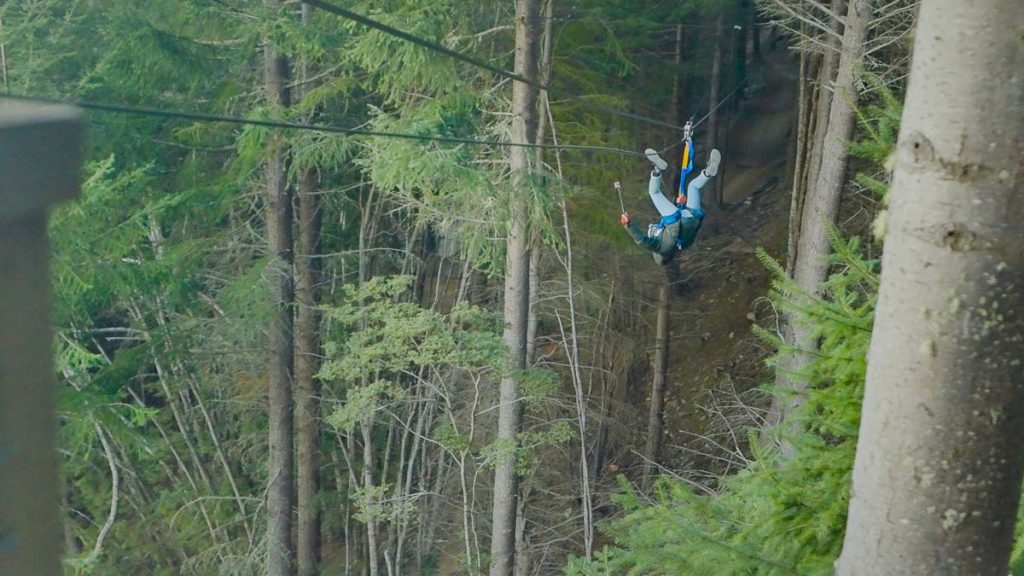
<point>680,220</point>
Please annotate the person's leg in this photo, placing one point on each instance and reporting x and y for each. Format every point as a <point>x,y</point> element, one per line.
<point>695,186</point>
<point>664,205</point>
<point>693,191</point>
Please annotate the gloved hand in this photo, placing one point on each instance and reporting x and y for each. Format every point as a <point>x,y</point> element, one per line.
<point>624,219</point>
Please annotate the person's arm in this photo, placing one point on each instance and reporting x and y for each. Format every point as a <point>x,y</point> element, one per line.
<point>638,235</point>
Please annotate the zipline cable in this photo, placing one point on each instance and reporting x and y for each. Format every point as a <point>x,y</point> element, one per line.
<point>720,102</point>
<point>702,119</point>
<point>202,117</point>
<point>368,22</point>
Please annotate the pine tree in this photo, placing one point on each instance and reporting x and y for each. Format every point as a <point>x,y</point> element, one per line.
<point>517,280</point>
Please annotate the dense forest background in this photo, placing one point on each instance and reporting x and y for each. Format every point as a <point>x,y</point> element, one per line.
<point>337,302</point>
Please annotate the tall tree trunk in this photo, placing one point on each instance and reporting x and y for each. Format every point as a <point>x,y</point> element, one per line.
<point>279,333</point>
<point>678,114</point>
<point>307,364</point>
<point>938,470</point>
<point>523,557</point>
<point>755,34</point>
<point>713,95</point>
<point>738,52</point>
<point>544,75</point>
<point>533,318</point>
<point>826,73</point>
<point>805,125</point>
<point>307,389</point>
<point>805,129</point>
<point>370,500</point>
<point>660,367</point>
<point>524,560</point>
<point>821,207</point>
<point>524,127</point>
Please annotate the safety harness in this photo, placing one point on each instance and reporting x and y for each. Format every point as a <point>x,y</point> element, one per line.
<point>671,219</point>
<point>684,171</point>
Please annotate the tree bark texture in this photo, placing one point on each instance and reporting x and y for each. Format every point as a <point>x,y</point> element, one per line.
<point>544,75</point>
<point>307,364</point>
<point>370,500</point>
<point>800,159</point>
<point>517,281</point>
<point>307,389</point>
<point>806,120</point>
<point>938,470</point>
<point>678,115</point>
<point>801,154</point>
<point>533,306</point>
<point>279,333</point>
<point>826,73</point>
<point>660,368</point>
<point>821,206</point>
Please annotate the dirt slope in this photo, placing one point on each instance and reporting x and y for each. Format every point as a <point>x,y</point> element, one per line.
<point>713,305</point>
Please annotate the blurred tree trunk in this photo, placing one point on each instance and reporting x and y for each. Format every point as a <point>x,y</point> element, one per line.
<point>755,33</point>
<point>307,364</point>
<point>517,281</point>
<point>307,389</point>
<point>279,333</point>
<point>678,103</point>
<point>659,366</point>
<point>938,470</point>
<point>713,96</point>
<point>738,52</point>
<point>544,76</point>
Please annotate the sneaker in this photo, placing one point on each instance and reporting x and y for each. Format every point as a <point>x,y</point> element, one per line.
<point>659,163</point>
<point>714,159</point>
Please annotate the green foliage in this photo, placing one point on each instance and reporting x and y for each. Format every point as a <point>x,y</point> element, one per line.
<point>370,504</point>
<point>378,332</point>
<point>497,451</point>
<point>1017,556</point>
<point>879,121</point>
<point>408,67</point>
<point>451,439</point>
<point>531,442</point>
<point>527,452</point>
<point>537,385</point>
<point>361,402</point>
